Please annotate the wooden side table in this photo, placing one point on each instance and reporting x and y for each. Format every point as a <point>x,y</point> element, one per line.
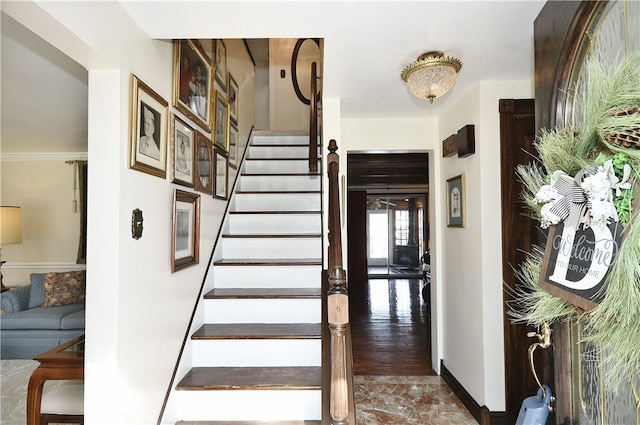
<point>65,362</point>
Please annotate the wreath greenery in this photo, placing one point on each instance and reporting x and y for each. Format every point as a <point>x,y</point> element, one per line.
<point>608,145</point>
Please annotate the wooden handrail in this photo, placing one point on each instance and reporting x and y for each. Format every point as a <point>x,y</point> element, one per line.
<point>341,398</point>
<point>334,224</point>
<point>313,120</point>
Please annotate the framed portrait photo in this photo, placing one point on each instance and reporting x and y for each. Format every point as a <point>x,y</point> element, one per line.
<point>233,146</point>
<point>192,83</point>
<point>203,178</point>
<point>220,134</point>
<point>232,99</point>
<point>185,241</point>
<point>222,175</point>
<point>182,143</point>
<point>221,64</point>
<point>456,208</point>
<point>148,130</point>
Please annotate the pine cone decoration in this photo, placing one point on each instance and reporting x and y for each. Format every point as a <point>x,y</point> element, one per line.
<point>626,137</point>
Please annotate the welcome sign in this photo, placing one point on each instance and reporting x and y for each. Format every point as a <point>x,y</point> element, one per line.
<point>577,261</point>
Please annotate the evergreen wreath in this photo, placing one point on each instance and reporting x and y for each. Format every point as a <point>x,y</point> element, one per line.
<point>604,157</point>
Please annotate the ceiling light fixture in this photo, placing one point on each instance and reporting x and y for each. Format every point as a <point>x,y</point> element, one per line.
<point>431,75</point>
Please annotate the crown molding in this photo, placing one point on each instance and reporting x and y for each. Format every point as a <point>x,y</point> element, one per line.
<point>44,156</point>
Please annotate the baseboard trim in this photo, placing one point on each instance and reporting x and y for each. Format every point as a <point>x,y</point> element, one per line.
<point>482,414</point>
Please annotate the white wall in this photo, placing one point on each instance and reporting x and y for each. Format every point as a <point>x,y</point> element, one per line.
<point>472,256</point>
<point>414,135</point>
<point>137,310</point>
<point>287,112</point>
<point>43,188</point>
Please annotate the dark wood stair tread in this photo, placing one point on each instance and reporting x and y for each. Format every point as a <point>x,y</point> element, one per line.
<point>269,262</point>
<point>281,174</point>
<point>272,235</point>
<point>301,422</point>
<point>280,145</point>
<point>258,331</point>
<point>279,158</point>
<point>273,192</point>
<point>252,378</point>
<point>227,293</point>
<point>276,212</point>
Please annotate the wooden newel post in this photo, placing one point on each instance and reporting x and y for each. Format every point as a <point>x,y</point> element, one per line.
<point>338,310</point>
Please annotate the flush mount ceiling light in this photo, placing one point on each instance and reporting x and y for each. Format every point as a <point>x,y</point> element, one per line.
<point>431,75</point>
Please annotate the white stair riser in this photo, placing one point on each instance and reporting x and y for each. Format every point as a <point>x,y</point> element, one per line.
<point>277,202</point>
<point>279,183</point>
<point>267,152</point>
<point>267,276</point>
<point>272,224</point>
<point>265,405</point>
<point>262,311</point>
<point>282,167</point>
<point>269,248</point>
<point>280,140</point>
<point>257,352</point>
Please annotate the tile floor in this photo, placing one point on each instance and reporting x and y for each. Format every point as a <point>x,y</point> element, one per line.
<point>407,400</point>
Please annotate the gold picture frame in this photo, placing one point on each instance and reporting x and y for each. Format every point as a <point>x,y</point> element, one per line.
<point>220,134</point>
<point>185,242</point>
<point>233,145</point>
<point>192,82</point>
<point>456,206</point>
<point>148,130</point>
<point>203,157</point>
<point>222,175</point>
<point>221,64</point>
<point>232,98</point>
<point>182,148</point>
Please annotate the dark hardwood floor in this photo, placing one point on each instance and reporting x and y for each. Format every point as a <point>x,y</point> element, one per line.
<point>390,327</point>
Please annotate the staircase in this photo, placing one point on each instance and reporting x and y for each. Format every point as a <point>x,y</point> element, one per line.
<point>257,356</point>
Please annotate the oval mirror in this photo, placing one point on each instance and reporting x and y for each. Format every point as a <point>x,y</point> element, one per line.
<point>305,52</point>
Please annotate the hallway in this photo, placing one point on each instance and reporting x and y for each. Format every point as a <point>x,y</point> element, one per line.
<point>391,334</point>
<point>390,327</point>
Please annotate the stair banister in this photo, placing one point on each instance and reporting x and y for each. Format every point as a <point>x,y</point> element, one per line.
<point>313,120</point>
<point>334,226</point>
<point>342,408</point>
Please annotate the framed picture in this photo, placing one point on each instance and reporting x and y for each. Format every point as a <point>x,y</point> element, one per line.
<point>221,64</point>
<point>221,134</point>
<point>192,83</point>
<point>148,130</point>
<point>233,146</point>
<point>222,174</point>
<point>182,143</point>
<point>232,98</point>
<point>456,209</point>
<point>185,241</point>
<point>203,178</point>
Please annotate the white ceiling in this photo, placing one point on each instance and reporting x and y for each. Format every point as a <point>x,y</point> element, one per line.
<point>367,44</point>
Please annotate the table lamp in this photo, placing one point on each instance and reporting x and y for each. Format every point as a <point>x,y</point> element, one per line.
<point>10,232</point>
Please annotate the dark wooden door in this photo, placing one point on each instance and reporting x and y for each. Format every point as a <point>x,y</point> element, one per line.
<point>519,233</point>
<point>357,236</point>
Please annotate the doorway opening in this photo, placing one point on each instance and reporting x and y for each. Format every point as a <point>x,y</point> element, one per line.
<point>396,238</point>
<point>388,234</point>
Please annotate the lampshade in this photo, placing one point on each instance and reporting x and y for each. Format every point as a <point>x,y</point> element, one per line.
<point>10,225</point>
<point>431,75</point>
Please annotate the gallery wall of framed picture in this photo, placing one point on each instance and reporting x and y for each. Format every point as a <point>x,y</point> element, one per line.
<point>194,138</point>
